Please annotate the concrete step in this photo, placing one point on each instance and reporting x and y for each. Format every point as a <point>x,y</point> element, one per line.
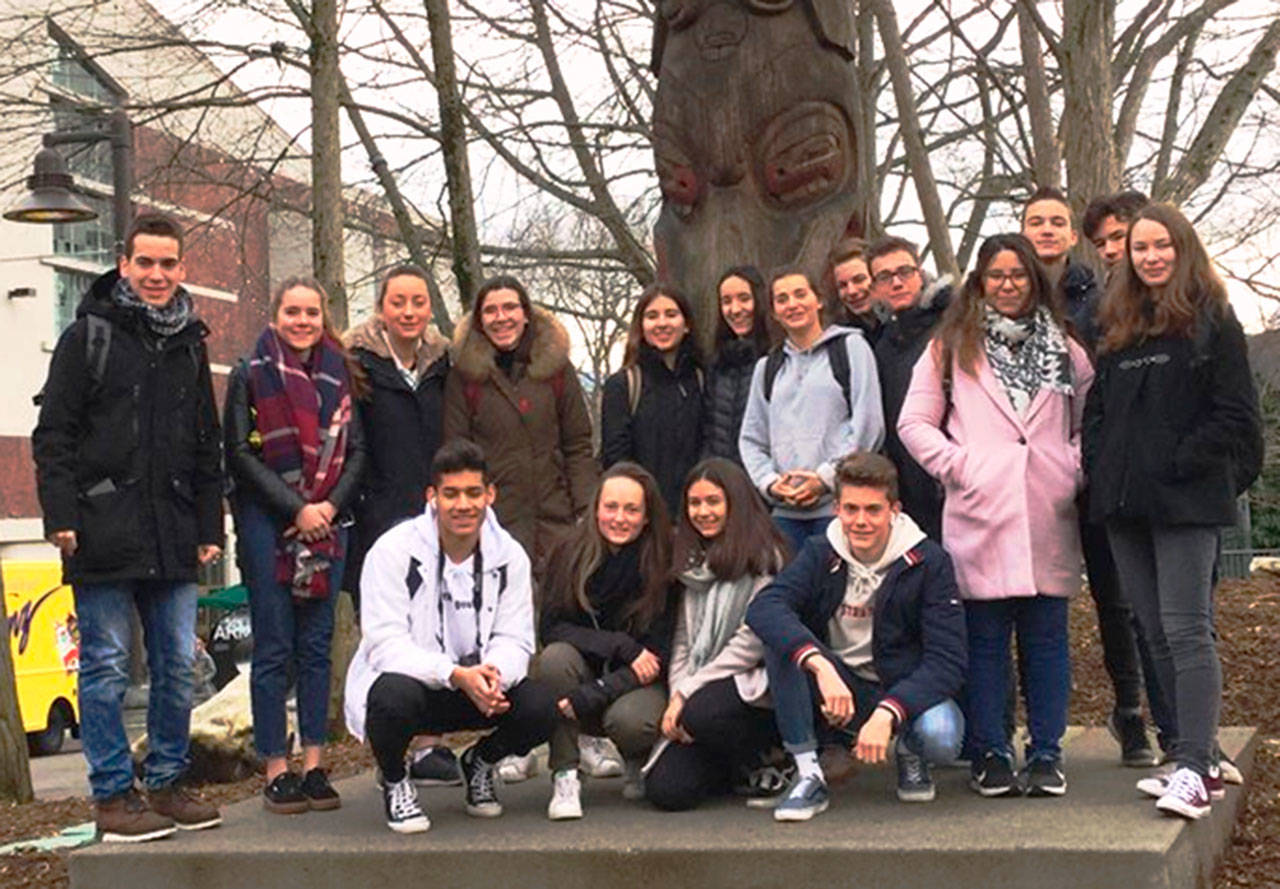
<point>1103,833</point>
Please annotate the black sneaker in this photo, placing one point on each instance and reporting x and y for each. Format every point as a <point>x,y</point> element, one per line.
<point>434,767</point>
<point>1131,731</point>
<point>481,782</point>
<point>993,775</point>
<point>915,783</point>
<point>1044,777</point>
<point>319,792</point>
<point>284,795</point>
<point>404,814</point>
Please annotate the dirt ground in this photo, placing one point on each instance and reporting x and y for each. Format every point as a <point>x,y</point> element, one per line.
<point>1248,616</point>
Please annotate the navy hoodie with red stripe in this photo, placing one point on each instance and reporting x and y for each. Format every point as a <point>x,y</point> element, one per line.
<point>918,641</point>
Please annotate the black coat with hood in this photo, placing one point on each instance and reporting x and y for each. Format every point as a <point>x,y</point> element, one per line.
<point>664,435</point>
<point>728,385</point>
<point>1081,295</point>
<point>902,341</point>
<point>1169,425</point>
<point>132,463</point>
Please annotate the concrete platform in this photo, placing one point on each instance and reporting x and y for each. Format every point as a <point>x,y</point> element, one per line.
<point>1102,834</point>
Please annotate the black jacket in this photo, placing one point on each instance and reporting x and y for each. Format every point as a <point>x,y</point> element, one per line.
<point>728,385</point>
<point>1081,295</point>
<point>251,479</point>
<point>133,464</point>
<point>918,641</point>
<point>902,342</point>
<point>664,435</point>
<point>1164,424</point>
<point>402,429</point>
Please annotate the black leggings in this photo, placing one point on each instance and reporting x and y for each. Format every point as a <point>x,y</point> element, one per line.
<point>729,734</point>
<point>400,707</point>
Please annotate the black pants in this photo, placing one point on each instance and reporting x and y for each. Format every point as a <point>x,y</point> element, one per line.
<point>729,734</point>
<point>400,707</point>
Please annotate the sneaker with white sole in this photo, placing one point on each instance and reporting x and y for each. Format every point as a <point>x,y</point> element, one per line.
<point>404,814</point>
<point>993,775</point>
<point>807,797</point>
<point>1231,773</point>
<point>1185,795</point>
<point>566,796</point>
<point>599,758</point>
<point>766,785</point>
<point>514,769</point>
<point>1044,777</point>
<point>481,780</point>
<point>1155,785</point>
<point>915,783</point>
<point>434,767</point>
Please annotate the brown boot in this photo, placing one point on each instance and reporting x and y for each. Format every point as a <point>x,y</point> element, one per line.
<point>186,808</point>
<point>128,819</point>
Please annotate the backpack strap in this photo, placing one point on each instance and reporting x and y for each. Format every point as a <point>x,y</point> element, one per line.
<point>772,364</point>
<point>471,392</point>
<point>948,384</point>
<point>838,357</point>
<point>97,343</point>
<point>635,380</point>
<point>558,383</point>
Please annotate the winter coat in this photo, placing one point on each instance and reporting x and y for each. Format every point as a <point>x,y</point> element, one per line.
<point>131,462</point>
<point>1081,295</point>
<point>253,480</point>
<point>902,339</point>
<point>806,423</point>
<point>728,385</point>
<point>1009,519</point>
<point>533,427</point>
<point>664,434</point>
<point>402,427</point>
<point>400,611</point>
<point>1165,423</point>
<point>918,641</point>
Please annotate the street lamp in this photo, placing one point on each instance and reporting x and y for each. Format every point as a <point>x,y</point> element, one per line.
<point>50,198</point>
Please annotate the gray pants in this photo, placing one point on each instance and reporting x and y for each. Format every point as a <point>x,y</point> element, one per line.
<point>1166,573</point>
<point>631,721</point>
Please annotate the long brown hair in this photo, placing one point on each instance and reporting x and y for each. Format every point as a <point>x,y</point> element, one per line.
<point>750,542</point>
<point>635,333</point>
<point>1133,310</point>
<point>580,552</point>
<point>355,373</point>
<point>962,331</point>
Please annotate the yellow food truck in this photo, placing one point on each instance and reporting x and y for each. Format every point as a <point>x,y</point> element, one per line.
<point>45,643</point>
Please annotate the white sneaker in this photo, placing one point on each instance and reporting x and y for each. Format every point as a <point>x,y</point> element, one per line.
<point>598,757</point>
<point>1185,795</point>
<point>514,769</point>
<point>633,780</point>
<point>566,796</point>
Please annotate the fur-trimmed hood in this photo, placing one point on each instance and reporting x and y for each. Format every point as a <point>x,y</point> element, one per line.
<point>370,336</point>
<point>546,341</point>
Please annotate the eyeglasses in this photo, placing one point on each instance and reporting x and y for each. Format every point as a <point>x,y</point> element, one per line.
<point>902,273</point>
<point>998,279</point>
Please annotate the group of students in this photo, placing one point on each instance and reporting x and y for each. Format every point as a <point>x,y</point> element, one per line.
<point>508,579</point>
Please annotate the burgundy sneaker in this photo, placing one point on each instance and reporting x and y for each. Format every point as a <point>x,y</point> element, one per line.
<point>1154,785</point>
<point>1185,795</point>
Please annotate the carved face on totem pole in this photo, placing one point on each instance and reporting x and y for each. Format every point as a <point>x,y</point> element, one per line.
<point>753,137</point>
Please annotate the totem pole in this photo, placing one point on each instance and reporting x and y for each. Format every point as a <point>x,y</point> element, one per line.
<point>753,137</point>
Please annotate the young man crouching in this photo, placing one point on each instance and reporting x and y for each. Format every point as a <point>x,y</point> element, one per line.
<point>865,627</point>
<point>446,612</point>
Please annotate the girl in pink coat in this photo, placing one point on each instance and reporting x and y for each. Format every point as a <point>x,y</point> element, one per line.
<point>993,413</point>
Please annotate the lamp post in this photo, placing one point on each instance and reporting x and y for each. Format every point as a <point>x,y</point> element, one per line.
<point>50,198</point>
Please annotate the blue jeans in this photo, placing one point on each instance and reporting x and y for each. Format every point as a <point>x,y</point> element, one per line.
<point>934,734</point>
<point>287,632</point>
<point>797,531</point>
<point>1041,622</point>
<point>168,613</point>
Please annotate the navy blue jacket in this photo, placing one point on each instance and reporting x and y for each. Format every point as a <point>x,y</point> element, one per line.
<point>918,641</point>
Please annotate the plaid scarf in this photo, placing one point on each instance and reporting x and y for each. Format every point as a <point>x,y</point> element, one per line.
<point>165,320</point>
<point>302,417</point>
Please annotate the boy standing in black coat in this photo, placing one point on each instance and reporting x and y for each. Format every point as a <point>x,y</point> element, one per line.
<point>865,627</point>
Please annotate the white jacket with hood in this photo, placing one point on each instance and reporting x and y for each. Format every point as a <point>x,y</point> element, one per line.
<point>399,611</point>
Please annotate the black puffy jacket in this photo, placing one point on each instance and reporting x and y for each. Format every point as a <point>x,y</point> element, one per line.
<point>1081,295</point>
<point>728,384</point>
<point>1165,423</point>
<point>133,463</point>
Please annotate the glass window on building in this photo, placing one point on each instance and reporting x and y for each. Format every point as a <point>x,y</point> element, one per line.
<point>68,288</point>
<point>92,241</point>
<point>72,75</point>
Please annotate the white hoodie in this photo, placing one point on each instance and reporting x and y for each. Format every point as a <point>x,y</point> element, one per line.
<point>400,611</point>
<point>851,625</point>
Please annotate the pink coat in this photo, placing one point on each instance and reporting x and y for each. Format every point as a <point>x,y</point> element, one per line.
<point>1009,521</point>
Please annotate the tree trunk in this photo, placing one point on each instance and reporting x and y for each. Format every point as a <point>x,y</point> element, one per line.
<point>1046,165</point>
<point>326,159</point>
<point>15,770</point>
<point>467,268</point>
<point>1092,166</point>
<point>935,218</point>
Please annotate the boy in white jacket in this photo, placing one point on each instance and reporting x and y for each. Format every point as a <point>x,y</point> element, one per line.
<point>446,613</point>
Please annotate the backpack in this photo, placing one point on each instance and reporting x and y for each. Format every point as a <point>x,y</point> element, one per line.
<point>97,342</point>
<point>635,382</point>
<point>471,390</point>
<point>837,357</point>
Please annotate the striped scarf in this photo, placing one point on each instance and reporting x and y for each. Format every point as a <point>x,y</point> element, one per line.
<point>302,416</point>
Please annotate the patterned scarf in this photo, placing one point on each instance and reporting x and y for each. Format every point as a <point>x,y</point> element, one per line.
<point>302,417</point>
<point>719,608</point>
<point>1027,354</point>
<point>165,320</point>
